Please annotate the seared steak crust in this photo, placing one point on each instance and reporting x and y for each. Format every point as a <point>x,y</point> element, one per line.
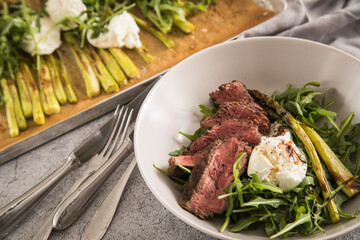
<point>230,92</point>
<point>237,125</point>
<point>210,176</point>
<point>243,129</point>
<point>242,109</point>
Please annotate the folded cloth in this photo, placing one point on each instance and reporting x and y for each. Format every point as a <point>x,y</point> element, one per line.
<point>332,22</point>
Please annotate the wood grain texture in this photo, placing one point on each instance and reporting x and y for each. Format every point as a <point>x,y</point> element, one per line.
<point>221,22</point>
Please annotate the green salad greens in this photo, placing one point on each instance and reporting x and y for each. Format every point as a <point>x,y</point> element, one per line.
<point>166,13</point>
<point>333,154</point>
<point>15,25</point>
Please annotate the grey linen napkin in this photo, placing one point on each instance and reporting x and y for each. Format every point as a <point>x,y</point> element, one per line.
<point>332,22</point>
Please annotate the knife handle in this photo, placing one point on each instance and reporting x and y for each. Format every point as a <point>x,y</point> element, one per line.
<point>12,214</point>
<point>71,209</point>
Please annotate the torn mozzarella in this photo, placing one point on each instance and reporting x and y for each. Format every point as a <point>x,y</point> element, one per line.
<point>47,41</point>
<point>60,9</point>
<point>122,31</point>
<point>277,160</point>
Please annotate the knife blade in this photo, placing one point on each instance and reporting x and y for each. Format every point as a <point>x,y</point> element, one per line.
<point>15,211</point>
<point>72,208</point>
<point>100,222</point>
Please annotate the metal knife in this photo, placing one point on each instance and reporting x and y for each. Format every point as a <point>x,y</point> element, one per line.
<point>100,222</point>
<point>12,214</point>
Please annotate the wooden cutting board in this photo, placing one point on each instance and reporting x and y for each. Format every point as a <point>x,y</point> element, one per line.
<point>221,22</point>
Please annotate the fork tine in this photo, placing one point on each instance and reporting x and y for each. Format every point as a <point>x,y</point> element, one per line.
<point>117,109</point>
<point>118,133</point>
<point>118,115</point>
<point>120,136</point>
<point>126,128</point>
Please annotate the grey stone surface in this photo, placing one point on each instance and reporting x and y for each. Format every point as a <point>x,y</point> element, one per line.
<point>139,215</point>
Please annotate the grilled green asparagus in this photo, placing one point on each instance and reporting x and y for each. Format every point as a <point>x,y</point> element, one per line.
<point>125,62</point>
<point>69,91</point>
<point>20,118</point>
<point>91,82</point>
<point>309,147</point>
<point>24,94</point>
<point>37,111</point>
<point>47,95</point>
<point>106,80</point>
<point>9,106</point>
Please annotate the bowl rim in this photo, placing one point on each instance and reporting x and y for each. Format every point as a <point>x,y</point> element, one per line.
<point>204,52</point>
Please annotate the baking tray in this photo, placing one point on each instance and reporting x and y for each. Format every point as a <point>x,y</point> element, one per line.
<point>222,22</point>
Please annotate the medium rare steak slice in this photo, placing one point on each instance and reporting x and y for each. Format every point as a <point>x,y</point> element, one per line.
<point>243,129</point>
<point>241,109</point>
<point>230,92</point>
<point>188,161</point>
<point>211,175</point>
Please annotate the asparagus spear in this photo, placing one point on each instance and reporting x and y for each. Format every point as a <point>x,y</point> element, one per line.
<point>24,93</point>
<point>20,118</point>
<point>185,26</point>
<point>47,96</point>
<point>106,80</point>
<point>37,111</point>
<point>309,147</point>
<point>9,106</point>
<point>145,54</point>
<point>91,82</point>
<point>55,79</point>
<point>1,98</point>
<point>125,62</point>
<point>144,25</point>
<point>69,91</point>
<point>113,67</point>
<point>336,168</point>
<point>152,17</point>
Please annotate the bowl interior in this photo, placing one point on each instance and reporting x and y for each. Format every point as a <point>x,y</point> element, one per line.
<point>266,64</point>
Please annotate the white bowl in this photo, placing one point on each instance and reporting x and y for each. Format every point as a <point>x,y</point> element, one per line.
<point>264,63</point>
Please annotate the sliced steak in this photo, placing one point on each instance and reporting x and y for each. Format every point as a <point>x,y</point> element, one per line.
<point>230,92</point>
<point>188,161</point>
<point>242,109</point>
<point>211,175</point>
<point>243,129</point>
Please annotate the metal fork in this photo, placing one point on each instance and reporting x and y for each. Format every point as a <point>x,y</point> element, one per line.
<point>94,163</point>
<point>113,153</point>
<point>12,214</point>
<point>45,230</point>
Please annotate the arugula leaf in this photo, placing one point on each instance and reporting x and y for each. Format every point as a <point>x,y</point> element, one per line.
<point>303,218</point>
<point>208,112</point>
<point>178,180</point>
<point>178,152</point>
<point>196,135</point>
<point>184,169</point>
<point>264,185</point>
<point>274,202</point>
<point>244,223</point>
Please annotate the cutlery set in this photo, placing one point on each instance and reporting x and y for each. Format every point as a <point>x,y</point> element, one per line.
<point>104,150</point>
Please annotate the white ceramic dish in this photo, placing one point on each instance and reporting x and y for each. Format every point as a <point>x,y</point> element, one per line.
<point>266,64</point>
